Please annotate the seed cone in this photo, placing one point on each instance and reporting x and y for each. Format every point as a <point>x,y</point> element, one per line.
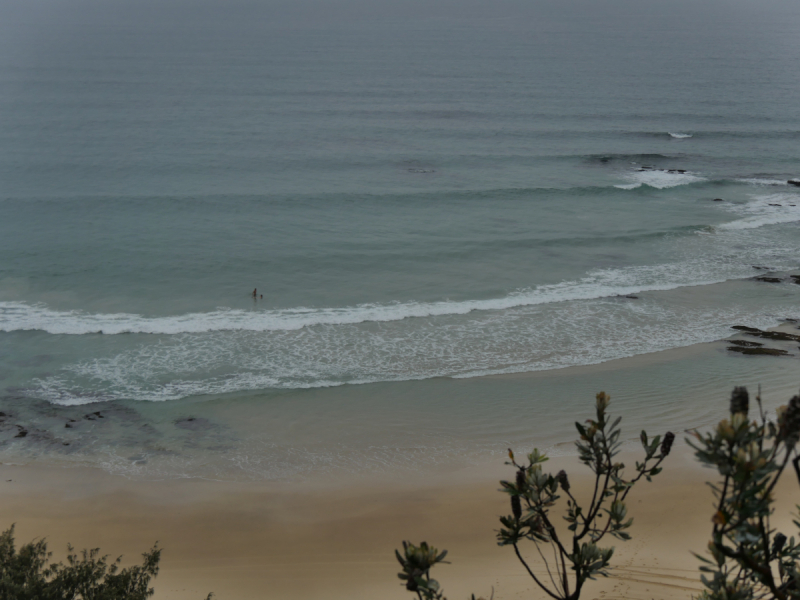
<point>563,480</point>
<point>516,507</point>
<point>666,443</point>
<point>789,422</point>
<point>740,401</point>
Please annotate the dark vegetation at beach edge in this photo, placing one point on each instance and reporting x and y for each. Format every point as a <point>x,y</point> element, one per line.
<point>27,574</point>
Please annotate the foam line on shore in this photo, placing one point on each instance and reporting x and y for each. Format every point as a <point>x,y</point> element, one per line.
<point>524,340</point>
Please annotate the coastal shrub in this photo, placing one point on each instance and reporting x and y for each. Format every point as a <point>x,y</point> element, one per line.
<point>749,559</point>
<point>417,562</point>
<point>534,494</point>
<point>27,574</point>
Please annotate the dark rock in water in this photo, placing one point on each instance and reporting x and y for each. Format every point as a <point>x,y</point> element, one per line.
<point>676,171</point>
<point>759,351</point>
<point>718,200</point>
<point>776,204</point>
<point>778,335</point>
<point>22,432</point>
<point>795,279</point>
<point>794,182</point>
<point>632,297</point>
<point>768,279</point>
<point>768,335</point>
<point>761,268</point>
<point>194,424</point>
<point>745,343</point>
<point>93,416</point>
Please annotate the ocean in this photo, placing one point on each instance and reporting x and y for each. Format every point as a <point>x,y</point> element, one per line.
<point>424,200</point>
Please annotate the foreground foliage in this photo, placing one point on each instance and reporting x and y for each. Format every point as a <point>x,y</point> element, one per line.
<point>576,556</point>
<point>417,562</point>
<point>26,575</point>
<point>749,559</point>
<point>534,494</point>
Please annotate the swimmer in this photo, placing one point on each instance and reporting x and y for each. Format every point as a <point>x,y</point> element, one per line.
<point>254,293</point>
<point>261,297</point>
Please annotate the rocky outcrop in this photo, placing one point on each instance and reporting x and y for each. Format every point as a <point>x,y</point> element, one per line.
<point>745,343</point>
<point>768,335</point>
<point>745,328</point>
<point>759,351</point>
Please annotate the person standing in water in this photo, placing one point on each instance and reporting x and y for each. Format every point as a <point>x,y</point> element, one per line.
<point>254,293</point>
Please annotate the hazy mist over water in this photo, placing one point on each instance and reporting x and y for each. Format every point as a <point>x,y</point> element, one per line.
<point>418,189</point>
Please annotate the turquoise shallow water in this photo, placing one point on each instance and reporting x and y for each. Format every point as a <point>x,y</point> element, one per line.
<point>443,195</point>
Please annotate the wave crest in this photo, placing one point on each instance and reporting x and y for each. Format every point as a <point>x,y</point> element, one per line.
<point>659,179</point>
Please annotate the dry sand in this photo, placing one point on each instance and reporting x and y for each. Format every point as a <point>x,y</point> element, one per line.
<point>334,541</point>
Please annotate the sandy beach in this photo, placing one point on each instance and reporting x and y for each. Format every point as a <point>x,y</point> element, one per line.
<point>282,282</point>
<point>330,535</point>
<point>308,541</point>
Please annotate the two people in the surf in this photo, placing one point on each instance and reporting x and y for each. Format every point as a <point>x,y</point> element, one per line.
<point>255,294</point>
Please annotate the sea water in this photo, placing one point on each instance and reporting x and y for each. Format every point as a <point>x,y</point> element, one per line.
<point>420,197</point>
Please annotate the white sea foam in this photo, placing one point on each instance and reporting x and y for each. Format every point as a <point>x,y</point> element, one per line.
<point>772,209</point>
<point>762,181</point>
<point>658,179</point>
<point>18,316</point>
<point>525,339</point>
<point>680,136</point>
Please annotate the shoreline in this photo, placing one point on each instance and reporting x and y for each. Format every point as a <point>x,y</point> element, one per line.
<point>409,428</point>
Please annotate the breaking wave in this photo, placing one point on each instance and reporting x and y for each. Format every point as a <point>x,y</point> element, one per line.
<point>659,179</point>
